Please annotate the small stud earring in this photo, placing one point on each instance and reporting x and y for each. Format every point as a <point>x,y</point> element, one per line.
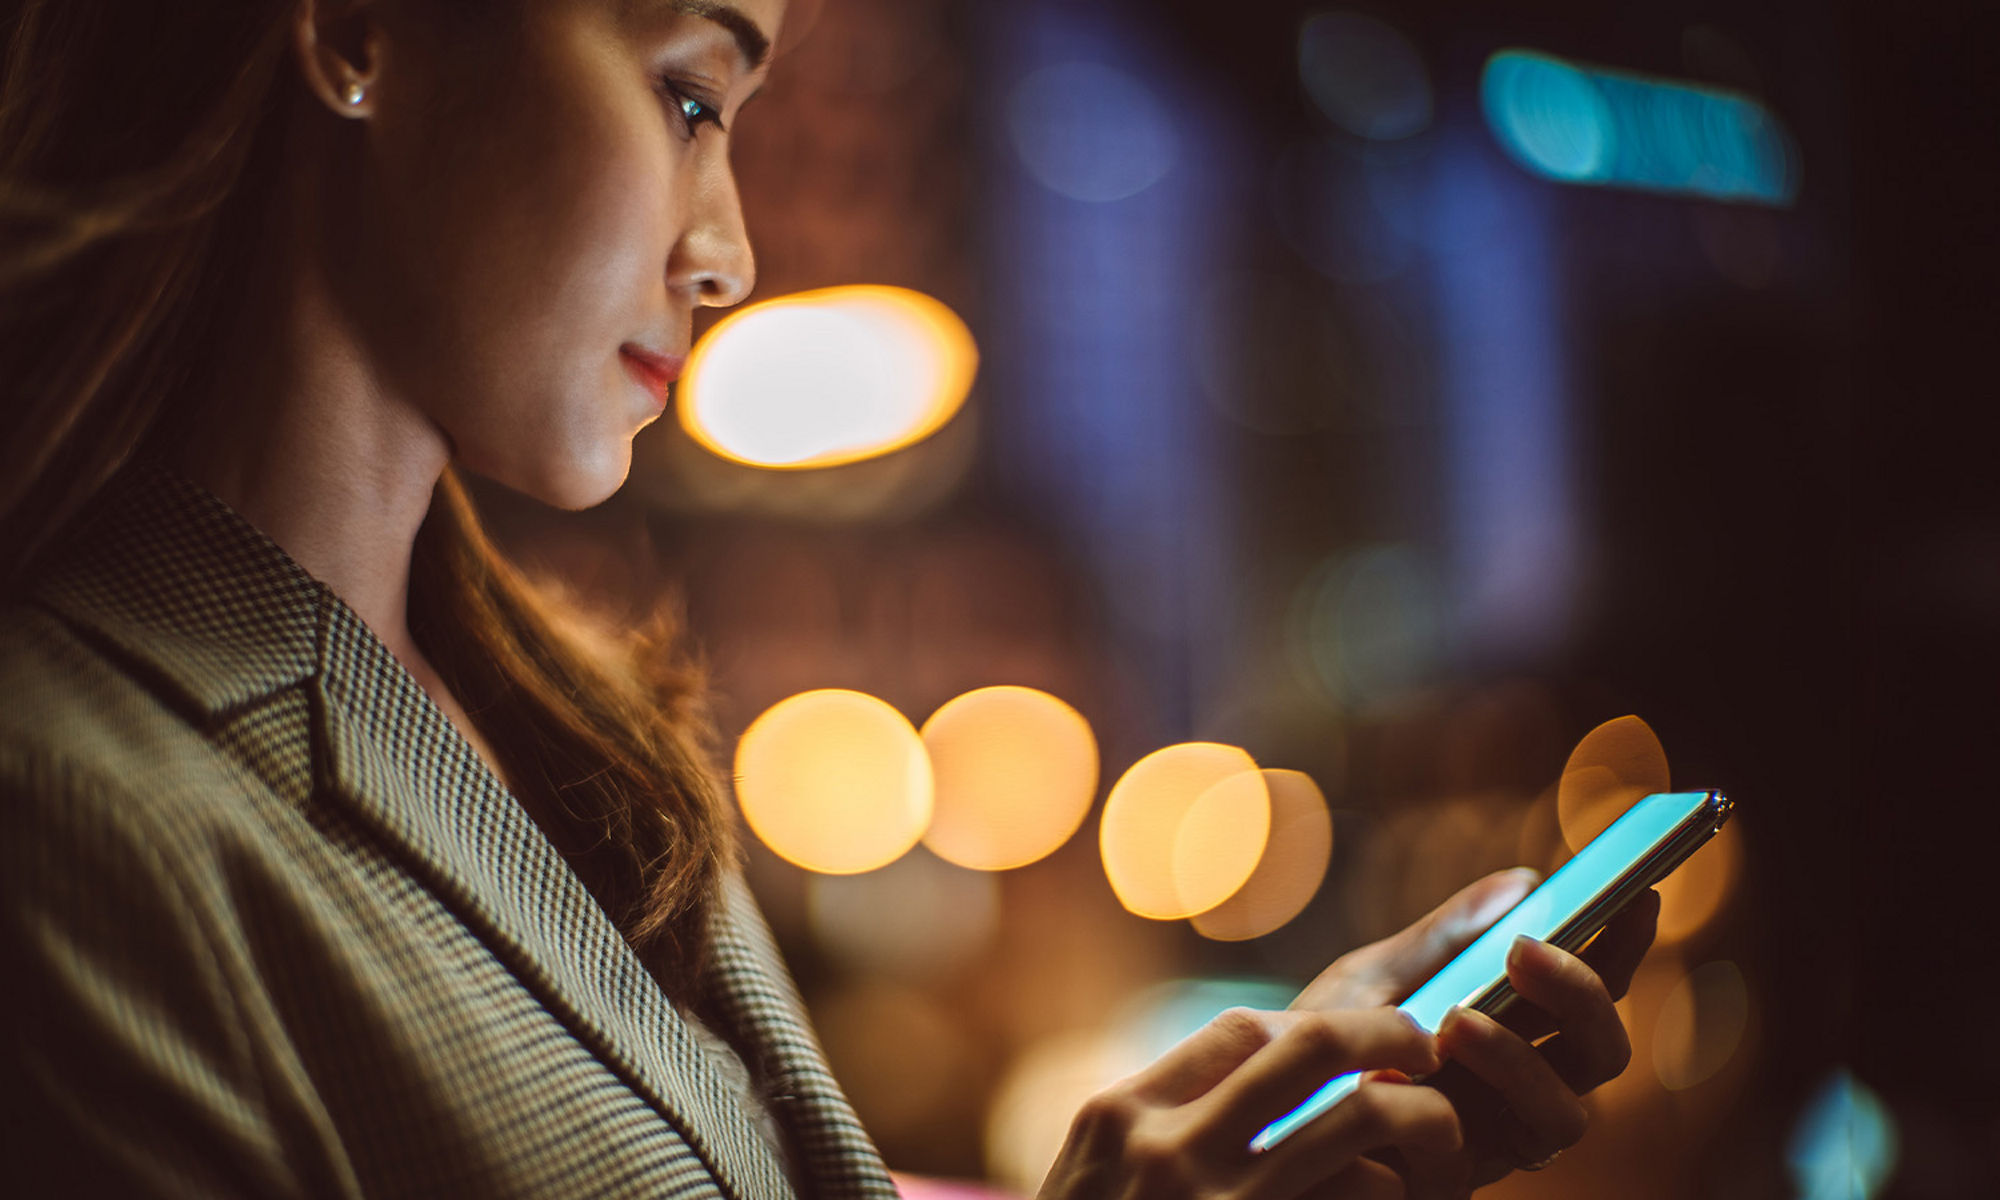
<point>352,93</point>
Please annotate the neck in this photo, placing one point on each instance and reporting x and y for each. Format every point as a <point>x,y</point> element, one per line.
<point>312,448</point>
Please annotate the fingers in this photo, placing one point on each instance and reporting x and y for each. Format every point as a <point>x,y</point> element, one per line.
<point>1210,1055</point>
<point>1616,952</point>
<point>1315,1048</point>
<point>1418,1122</point>
<point>1364,1179</point>
<point>1592,1046</point>
<point>1425,947</point>
<point>1386,972</point>
<point>1550,1116</point>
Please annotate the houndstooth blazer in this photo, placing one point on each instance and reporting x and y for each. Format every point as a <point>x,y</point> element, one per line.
<point>273,929</point>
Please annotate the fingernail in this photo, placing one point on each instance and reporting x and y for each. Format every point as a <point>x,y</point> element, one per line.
<point>1522,951</point>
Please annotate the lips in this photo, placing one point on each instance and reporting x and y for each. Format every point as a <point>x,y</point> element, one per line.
<point>655,372</point>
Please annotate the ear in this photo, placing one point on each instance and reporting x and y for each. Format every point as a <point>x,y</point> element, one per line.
<point>339,45</point>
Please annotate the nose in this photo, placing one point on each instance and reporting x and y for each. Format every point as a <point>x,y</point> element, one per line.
<point>713,259</point>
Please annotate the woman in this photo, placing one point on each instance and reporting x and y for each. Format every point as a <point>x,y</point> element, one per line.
<point>338,860</point>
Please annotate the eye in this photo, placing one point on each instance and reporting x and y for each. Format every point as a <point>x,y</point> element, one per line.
<point>693,111</point>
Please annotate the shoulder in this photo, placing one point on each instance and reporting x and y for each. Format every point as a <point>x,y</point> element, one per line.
<point>87,742</point>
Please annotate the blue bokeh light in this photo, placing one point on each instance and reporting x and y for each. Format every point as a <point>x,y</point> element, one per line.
<point>1578,124</point>
<point>1549,116</point>
<point>1364,75</point>
<point>1090,131</point>
<point>1844,1146</point>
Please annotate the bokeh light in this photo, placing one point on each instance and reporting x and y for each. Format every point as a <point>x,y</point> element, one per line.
<point>834,781</point>
<point>1290,872</point>
<point>1589,125</point>
<point>1548,115</point>
<point>917,918</point>
<point>1845,1144</point>
<point>1697,890</point>
<point>1611,769</point>
<point>1364,75</point>
<point>1090,132</point>
<point>826,377</point>
<point>1371,624</point>
<point>1700,1025</point>
<point>1031,1111</point>
<point>1015,772</point>
<point>1328,201</point>
<point>1046,1085</point>
<point>1183,829</point>
<point>1166,1014</point>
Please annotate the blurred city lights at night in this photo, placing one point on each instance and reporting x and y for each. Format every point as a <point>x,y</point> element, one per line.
<point>1090,131</point>
<point>834,781</point>
<point>1031,1110</point>
<point>1042,1090</point>
<point>1612,767</point>
<point>1364,75</point>
<point>1372,624</point>
<point>1844,1146</point>
<point>1183,829</point>
<point>1015,770</point>
<point>1700,1025</point>
<point>1166,1014</point>
<point>1293,866</point>
<point>826,377</point>
<point>915,918</point>
<point>1697,890</point>
<point>1589,125</point>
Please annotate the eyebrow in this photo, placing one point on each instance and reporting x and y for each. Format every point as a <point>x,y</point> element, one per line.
<point>756,47</point>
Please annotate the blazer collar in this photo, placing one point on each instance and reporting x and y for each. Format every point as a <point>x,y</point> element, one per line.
<point>218,616</point>
<point>188,592</point>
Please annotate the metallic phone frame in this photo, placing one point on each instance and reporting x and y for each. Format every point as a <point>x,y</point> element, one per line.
<point>1690,835</point>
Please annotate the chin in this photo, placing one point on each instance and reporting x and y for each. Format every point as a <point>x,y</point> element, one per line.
<point>575,482</point>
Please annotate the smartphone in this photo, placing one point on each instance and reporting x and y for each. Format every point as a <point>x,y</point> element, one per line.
<point>1638,850</point>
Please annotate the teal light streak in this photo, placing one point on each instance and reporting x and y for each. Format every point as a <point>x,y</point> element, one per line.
<point>1575,123</point>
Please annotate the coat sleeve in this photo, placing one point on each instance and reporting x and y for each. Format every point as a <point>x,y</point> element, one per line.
<point>129,1068</point>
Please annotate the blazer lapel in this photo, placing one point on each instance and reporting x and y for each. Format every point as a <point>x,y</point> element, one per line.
<point>753,990</point>
<point>198,601</point>
<point>393,758</point>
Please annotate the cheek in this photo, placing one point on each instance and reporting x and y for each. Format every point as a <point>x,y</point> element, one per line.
<point>518,258</point>
<point>551,214</point>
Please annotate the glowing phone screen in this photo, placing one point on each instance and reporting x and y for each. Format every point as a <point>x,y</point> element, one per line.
<point>1560,898</point>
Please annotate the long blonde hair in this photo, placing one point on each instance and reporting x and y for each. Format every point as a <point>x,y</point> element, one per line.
<point>131,138</point>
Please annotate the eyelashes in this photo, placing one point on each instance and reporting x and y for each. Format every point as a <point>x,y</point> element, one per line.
<point>692,111</point>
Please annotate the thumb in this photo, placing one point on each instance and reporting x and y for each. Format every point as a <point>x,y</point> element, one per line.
<point>1420,951</point>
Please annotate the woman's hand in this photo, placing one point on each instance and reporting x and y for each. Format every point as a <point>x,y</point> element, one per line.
<point>1518,1102</point>
<point>1181,1128</point>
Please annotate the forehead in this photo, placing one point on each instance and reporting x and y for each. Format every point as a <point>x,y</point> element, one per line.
<point>749,26</point>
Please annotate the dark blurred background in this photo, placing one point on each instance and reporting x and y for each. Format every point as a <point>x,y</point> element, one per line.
<point>1366,449</point>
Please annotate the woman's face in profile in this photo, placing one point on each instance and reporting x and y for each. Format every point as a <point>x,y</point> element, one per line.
<point>543,205</point>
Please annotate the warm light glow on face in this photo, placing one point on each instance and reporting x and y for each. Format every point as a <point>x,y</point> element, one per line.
<point>1016,770</point>
<point>827,377</point>
<point>1289,874</point>
<point>1611,769</point>
<point>1184,828</point>
<point>834,781</point>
